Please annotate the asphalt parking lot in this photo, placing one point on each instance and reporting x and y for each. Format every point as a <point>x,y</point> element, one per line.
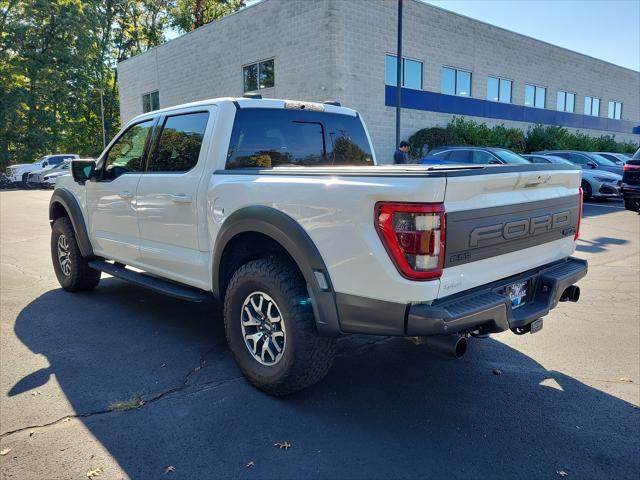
<point>562,403</point>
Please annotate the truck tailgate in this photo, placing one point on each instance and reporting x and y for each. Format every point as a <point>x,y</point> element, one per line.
<point>500,224</point>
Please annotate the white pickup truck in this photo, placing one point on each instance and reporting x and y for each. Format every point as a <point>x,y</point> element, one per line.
<point>278,209</point>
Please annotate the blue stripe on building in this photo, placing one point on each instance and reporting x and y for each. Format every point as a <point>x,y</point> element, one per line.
<point>439,102</point>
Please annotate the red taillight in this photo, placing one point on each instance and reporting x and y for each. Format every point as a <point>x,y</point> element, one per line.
<point>628,167</point>
<point>575,237</point>
<point>413,234</point>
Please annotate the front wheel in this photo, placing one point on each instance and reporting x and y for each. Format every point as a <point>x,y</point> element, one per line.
<point>587,193</point>
<point>270,328</point>
<point>71,268</point>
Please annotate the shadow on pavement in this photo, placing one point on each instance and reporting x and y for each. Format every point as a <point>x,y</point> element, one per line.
<point>388,409</point>
<point>599,244</point>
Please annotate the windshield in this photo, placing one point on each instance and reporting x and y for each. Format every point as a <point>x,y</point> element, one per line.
<point>39,160</point>
<point>636,156</point>
<point>600,160</point>
<point>508,156</point>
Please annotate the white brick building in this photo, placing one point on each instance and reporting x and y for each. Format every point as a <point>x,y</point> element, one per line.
<point>338,50</point>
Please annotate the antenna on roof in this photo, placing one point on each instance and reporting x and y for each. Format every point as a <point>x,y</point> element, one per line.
<point>255,96</point>
<point>332,102</point>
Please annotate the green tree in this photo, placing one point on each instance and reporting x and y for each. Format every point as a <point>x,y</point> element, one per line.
<point>188,15</point>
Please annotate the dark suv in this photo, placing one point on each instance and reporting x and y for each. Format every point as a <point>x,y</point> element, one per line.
<point>631,183</point>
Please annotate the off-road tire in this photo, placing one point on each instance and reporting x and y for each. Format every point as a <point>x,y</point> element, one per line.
<point>81,277</point>
<point>307,356</point>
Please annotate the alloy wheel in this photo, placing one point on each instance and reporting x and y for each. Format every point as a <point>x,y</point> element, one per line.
<point>263,328</point>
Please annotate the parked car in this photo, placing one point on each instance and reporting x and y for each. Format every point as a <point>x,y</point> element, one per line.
<point>45,177</point>
<point>617,158</point>
<point>585,160</point>
<point>472,155</point>
<point>19,174</point>
<point>278,209</point>
<point>595,183</point>
<point>631,183</point>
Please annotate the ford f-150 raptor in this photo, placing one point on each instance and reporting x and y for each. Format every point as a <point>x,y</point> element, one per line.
<point>278,209</point>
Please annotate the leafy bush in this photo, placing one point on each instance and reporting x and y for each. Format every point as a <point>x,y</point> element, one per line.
<point>461,131</point>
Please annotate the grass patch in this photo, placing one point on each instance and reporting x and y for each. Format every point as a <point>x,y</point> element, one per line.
<point>134,402</point>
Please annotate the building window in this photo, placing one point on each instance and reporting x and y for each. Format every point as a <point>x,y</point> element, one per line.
<point>150,101</point>
<point>455,82</point>
<point>499,89</point>
<point>615,110</point>
<point>535,96</point>
<point>566,102</point>
<point>411,72</point>
<point>258,76</point>
<point>592,106</point>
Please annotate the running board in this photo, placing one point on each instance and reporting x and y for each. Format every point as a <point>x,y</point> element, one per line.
<point>159,285</point>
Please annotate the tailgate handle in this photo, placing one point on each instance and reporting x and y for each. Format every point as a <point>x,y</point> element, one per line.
<point>538,181</point>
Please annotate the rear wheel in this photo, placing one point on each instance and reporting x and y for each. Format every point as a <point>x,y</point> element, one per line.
<point>71,268</point>
<point>587,193</point>
<point>270,328</point>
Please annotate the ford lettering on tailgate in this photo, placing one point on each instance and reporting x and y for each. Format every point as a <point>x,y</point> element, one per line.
<point>474,235</point>
<point>503,232</point>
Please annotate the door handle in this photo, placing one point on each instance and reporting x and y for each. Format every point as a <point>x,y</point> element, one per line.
<point>126,195</point>
<point>181,198</point>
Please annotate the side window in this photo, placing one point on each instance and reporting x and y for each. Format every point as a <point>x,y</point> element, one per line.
<point>480,156</point>
<point>459,156</point>
<point>127,154</point>
<point>579,159</point>
<point>179,143</point>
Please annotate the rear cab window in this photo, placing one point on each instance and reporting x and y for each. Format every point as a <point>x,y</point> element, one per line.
<point>274,137</point>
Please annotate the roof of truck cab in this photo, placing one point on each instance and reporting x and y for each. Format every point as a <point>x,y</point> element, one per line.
<point>243,102</point>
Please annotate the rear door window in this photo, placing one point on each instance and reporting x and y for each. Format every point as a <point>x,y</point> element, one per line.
<point>270,137</point>
<point>179,143</point>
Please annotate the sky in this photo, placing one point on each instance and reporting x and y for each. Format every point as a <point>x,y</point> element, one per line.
<point>605,29</point>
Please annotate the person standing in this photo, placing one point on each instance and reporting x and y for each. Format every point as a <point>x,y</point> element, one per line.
<point>402,153</point>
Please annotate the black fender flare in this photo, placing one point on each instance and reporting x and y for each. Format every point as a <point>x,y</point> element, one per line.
<point>66,199</point>
<point>294,239</point>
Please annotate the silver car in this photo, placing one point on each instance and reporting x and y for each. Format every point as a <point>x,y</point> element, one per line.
<point>595,183</point>
<point>37,178</point>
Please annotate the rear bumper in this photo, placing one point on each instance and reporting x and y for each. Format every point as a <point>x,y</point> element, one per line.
<point>487,308</point>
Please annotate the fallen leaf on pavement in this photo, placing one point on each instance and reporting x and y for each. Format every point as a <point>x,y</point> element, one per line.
<point>94,473</point>
<point>169,469</point>
<point>562,473</point>
<point>31,433</point>
<point>250,464</point>
<point>626,380</point>
<point>282,445</point>
<point>4,451</point>
<point>37,392</point>
<point>497,371</point>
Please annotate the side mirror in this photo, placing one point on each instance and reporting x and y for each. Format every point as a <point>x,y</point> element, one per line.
<point>592,164</point>
<point>45,164</point>
<point>83,170</point>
